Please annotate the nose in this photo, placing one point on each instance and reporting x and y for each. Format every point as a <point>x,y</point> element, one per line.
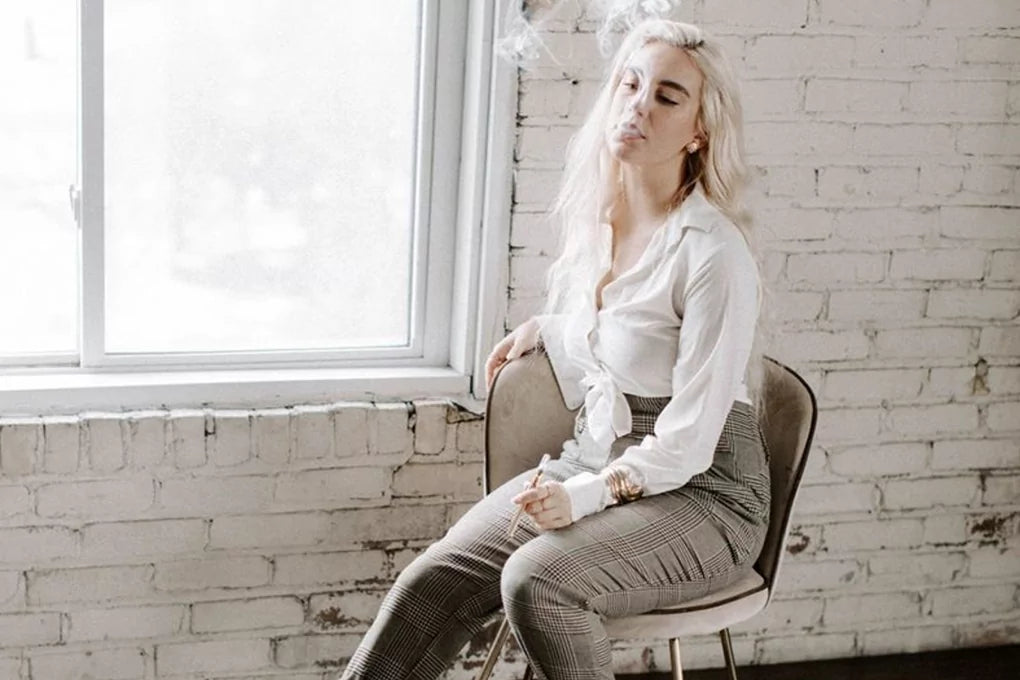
<point>640,101</point>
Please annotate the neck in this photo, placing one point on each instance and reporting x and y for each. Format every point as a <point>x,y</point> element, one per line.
<point>648,191</point>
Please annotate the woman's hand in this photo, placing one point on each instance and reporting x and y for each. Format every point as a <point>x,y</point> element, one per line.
<point>521,340</point>
<point>548,504</point>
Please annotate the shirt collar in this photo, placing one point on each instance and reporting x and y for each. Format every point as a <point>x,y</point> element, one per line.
<point>695,211</point>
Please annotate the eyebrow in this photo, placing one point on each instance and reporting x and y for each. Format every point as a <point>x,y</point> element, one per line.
<point>665,83</point>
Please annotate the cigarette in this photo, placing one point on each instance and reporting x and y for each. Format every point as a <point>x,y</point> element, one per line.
<point>531,485</point>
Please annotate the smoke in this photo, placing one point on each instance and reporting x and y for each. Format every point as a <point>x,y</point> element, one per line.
<point>525,22</point>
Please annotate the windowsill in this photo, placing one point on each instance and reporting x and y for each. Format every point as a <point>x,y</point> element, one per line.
<point>66,392</point>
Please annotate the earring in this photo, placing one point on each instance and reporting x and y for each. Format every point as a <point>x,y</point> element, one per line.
<point>692,147</point>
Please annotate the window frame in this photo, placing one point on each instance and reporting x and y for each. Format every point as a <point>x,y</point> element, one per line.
<point>467,129</point>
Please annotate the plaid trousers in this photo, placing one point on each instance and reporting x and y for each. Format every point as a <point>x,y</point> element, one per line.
<point>556,587</point>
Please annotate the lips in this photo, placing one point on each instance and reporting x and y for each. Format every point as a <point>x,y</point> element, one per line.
<point>630,130</point>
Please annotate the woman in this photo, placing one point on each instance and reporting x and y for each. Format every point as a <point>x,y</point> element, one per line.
<point>663,493</point>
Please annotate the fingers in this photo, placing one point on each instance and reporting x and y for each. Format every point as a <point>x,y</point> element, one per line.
<point>536,494</point>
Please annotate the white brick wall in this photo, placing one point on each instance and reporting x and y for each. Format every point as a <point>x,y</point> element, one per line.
<point>884,140</point>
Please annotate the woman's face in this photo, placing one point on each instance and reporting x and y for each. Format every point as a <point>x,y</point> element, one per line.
<point>654,113</point>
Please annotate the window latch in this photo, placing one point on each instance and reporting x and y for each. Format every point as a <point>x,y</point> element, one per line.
<point>74,195</point>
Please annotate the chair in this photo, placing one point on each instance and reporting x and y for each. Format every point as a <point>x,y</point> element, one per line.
<point>525,391</point>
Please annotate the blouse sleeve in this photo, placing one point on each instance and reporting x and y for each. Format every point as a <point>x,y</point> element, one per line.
<point>552,332</point>
<point>720,310</point>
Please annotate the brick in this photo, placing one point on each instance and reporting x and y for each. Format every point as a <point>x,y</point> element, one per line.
<point>914,569</point>
<point>545,144</point>
<point>767,97</point>
<point>923,342</point>
<point>976,222</point>
<point>344,611</point>
<point>187,438</point>
<point>146,438</point>
<point>534,232</point>
<point>995,563</point>
<point>798,577</point>
<point>226,572</point>
<point>544,99</point>
<point>941,264</point>
<point>333,488</point>
<point>784,180</point>
<point>36,628</point>
<point>864,608</point>
<point>471,436</point>
<point>989,139</point>
<point>822,139</point>
<point>951,381</point>
<point>265,612</point>
<point>206,496</point>
<point>402,523</point>
<point>901,51</point>
<point>1000,341</point>
<point>230,440</point>
<point>968,601</point>
<point>1004,417</point>
<point>930,493</point>
<point>388,429</point>
<point>784,615</point>
<point>568,56</point>
<point>991,49</point>
<point>871,224</point>
<point>848,424</point>
<point>797,306</point>
<point>835,498</point>
<point>945,529</point>
<point>799,54</point>
<point>864,386</point>
<point>988,179</point>
<point>269,531</point>
<point>430,426</point>
<point>114,540</point>
<point>845,537</point>
<point>974,98</point>
<point>941,179</point>
<point>846,183</point>
<point>527,272</point>
<point>104,442</point>
<point>20,446</point>
<point>444,480</point>
<point>771,13</point>
<point>14,500</point>
<point>212,656</point>
<point>872,13</point>
<point>975,454</point>
<point>314,432</point>
<point>36,544</point>
<point>271,435</point>
<point>536,188</point>
<point>322,651</point>
<point>792,649</point>
<point>1004,380</point>
<point>60,586</point>
<point>902,139</point>
<point>10,587</point>
<point>796,224</point>
<point>856,305</point>
<point>10,667</point>
<point>125,623</point>
<point>926,420</point>
<point>907,640</point>
<point>974,303</point>
<point>113,498</point>
<point>350,422</point>
<point>832,267</point>
<point>879,460</point>
<point>986,633</point>
<point>854,95</point>
<point>125,663</point>
<point>954,15</point>
<point>330,568</point>
<point>60,450</point>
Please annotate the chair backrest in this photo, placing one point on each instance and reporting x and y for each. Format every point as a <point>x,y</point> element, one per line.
<point>789,413</point>
<point>526,417</point>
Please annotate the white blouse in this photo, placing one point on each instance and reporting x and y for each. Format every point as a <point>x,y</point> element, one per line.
<point>696,268</point>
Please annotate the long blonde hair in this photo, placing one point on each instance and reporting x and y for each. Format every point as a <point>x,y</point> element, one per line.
<point>590,190</point>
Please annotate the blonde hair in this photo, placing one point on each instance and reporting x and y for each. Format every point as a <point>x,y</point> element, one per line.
<point>590,190</point>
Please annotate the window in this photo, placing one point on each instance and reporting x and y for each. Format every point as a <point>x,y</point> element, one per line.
<point>251,184</point>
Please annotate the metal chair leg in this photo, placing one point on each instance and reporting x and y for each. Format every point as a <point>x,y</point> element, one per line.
<point>497,647</point>
<point>674,659</point>
<point>529,672</point>
<point>727,648</point>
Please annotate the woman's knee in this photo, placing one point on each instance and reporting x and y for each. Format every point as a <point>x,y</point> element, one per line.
<point>537,575</point>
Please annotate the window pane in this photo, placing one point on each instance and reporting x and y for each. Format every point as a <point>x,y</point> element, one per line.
<point>38,237</point>
<point>259,167</point>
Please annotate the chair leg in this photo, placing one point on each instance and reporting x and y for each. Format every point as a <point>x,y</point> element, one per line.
<point>529,672</point>
<point>497,647</point>
<point>727,648</point>
<point>674,659</point>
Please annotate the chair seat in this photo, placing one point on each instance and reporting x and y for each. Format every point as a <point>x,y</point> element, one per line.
<point>704,615</point>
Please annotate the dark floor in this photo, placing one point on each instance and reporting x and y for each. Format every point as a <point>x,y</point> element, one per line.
<point>985,663</point>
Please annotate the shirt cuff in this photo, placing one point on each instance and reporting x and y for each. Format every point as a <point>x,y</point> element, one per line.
<point>588,494</point>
